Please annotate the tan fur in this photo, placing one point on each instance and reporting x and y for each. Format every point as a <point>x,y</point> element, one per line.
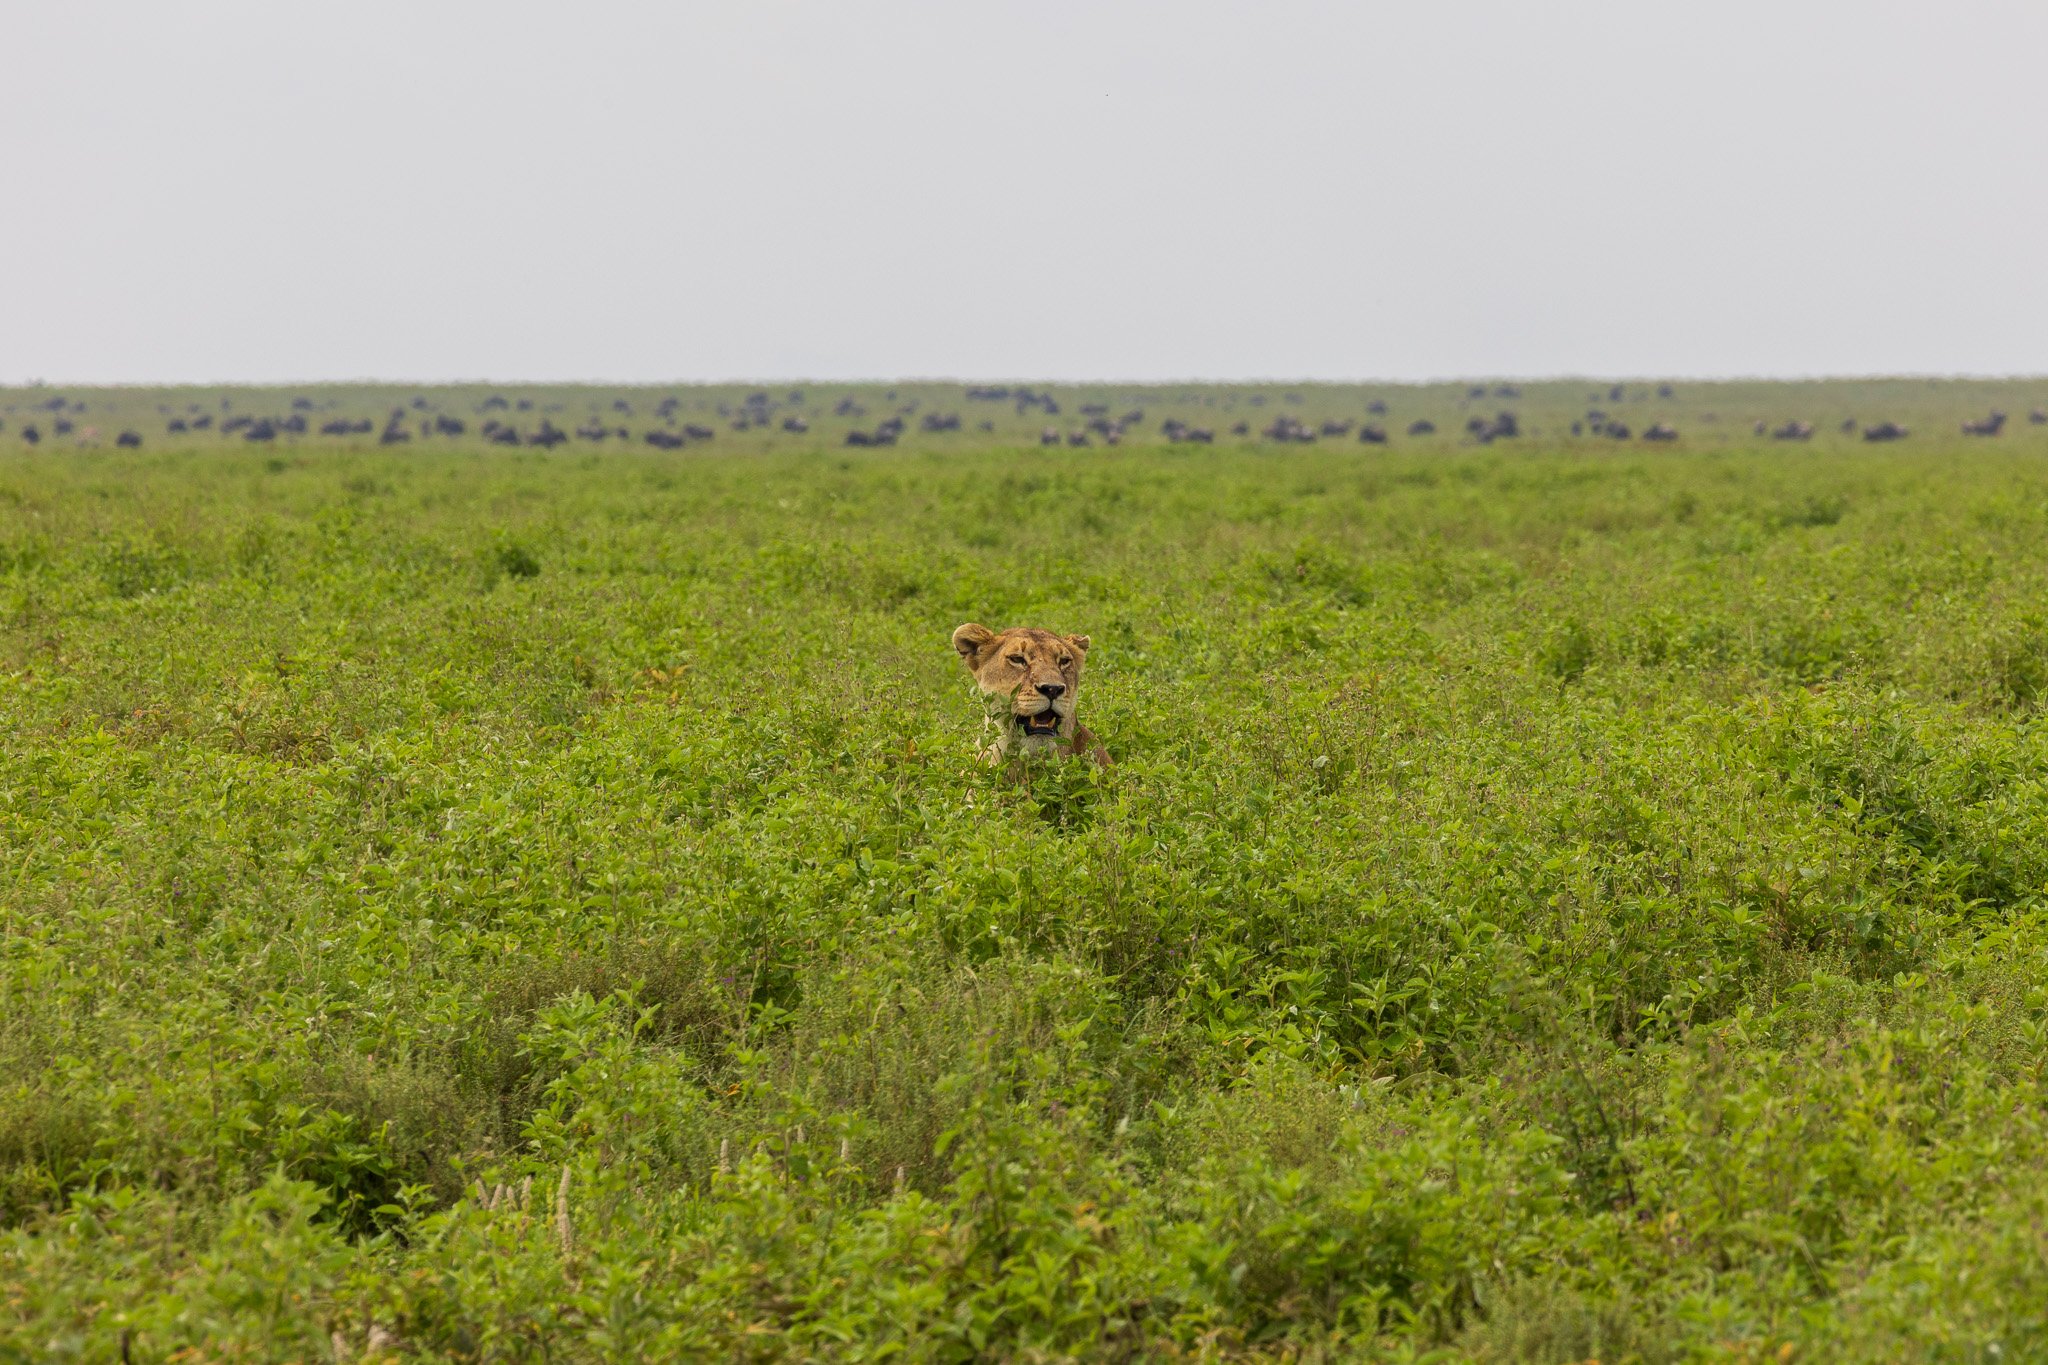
<point>1015,669</point>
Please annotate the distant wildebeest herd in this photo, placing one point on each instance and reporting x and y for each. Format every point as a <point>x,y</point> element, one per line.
<point>529,422</point>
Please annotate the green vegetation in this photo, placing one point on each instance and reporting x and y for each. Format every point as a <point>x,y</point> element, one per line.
<point>1555,900</point>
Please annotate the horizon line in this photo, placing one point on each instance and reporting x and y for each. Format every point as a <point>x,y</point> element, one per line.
<point>965,380</point>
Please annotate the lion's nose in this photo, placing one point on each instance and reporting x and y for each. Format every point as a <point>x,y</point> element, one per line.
<point>1051,690</point>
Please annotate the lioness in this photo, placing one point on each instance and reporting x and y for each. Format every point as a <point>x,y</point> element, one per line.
<point>1030,680</point>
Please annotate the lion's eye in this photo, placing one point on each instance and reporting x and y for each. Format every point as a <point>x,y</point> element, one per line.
<point>1066,663</point>
<point>1017,659</point>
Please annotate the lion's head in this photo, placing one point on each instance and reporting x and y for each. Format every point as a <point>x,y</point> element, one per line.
<point>1030,679</point>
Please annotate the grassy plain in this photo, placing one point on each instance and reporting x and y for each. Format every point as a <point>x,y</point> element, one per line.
<point>1555,899</point>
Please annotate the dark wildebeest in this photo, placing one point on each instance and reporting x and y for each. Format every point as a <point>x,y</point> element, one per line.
<point>1285,428</point>
<point>265,430</point>
<point>295,424</point>
<point>1663,390</point>
<point>665,440</point>
<point>1377,408</point>
<point>1501,427</point>
<point>1884,431</point>
<point>1848,425</point>
<point>62,426</point>
<point>1616,394</point>
<point>449,426</point>
<point>697,433</point>
<point>1759,427</point>
<point>1660,431</point>
<point>1794,431</point>
<point>1422,426</point>
<point>202,422</point>
<point>1578,428</point>
<point>590,431</point>
<point>795,425</point>
<point>302,405</point>
<point>1241,429</point>
<point>1373,434</point>
<point>2039,417</point>
<point>128,438</point>
<point>30,434</point>
<point>1336,428</point>
<point>1048,437</point>
<point>1078,438</point>
<point>175,425</point>
<point>1989,426</point>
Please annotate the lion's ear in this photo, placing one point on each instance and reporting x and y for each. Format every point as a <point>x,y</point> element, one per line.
<point>970,639</point>
<point>1079,642</point>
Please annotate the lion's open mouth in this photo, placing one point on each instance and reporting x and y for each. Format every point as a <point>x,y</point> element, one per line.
<point>1046,722</point>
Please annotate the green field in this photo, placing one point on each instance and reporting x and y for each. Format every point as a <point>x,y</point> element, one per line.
<point>1555,899</point>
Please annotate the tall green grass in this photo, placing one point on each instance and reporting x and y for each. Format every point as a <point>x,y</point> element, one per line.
<point>1550,902</point>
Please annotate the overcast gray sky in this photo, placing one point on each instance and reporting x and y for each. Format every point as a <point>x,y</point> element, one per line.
<point>269,190</point>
